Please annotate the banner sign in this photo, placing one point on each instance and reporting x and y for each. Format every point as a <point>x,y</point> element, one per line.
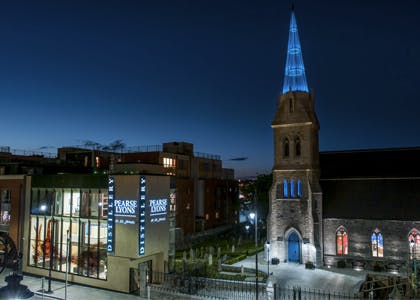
<point>110,231</point>
<point>142,215</point>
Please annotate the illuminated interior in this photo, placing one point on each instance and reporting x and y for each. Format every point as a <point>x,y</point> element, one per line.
<point>342,241</point>
<point>377,244</point>
<point>73,224</point>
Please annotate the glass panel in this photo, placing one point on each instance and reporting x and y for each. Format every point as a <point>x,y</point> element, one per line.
<point>36,237</point>
<point>5,207</point>
<point>103,205</point>
<point>75,205</point>
<point>339,244</point>
<point>58,207</point>
<point>345,243</point>
<point>380,246</point>
<point>84,212</point>
<point>102,250</point>
<point>94,204</point>
<point>374,245</point>
<point>35,205</point>
<point>64,249</point>
<point>66,203</point>
<point>74,248</point>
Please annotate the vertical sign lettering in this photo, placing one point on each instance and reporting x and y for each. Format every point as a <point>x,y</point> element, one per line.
<point>110,234</point>
<point>142,215</point>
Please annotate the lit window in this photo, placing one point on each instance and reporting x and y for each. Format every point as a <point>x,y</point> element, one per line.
<point>342,241</point>
<point>217,215</point>
<point>299,188</point>
<point>292,189</point>
<point>97,161</point>
<point>207,217</point>
<point>377,244</point>
<point>286,148</point>
<point>285,189</point>
<point>169,163</point>
<point>4,207</point>
<point>414,243</point>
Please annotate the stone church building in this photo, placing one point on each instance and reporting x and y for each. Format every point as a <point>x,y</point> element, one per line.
<point>343,208</point>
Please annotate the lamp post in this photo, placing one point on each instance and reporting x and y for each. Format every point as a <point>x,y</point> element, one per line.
<point>268,258</point>
<point>255,218</point>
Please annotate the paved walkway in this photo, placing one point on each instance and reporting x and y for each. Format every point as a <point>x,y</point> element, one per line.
<point>292,274</point>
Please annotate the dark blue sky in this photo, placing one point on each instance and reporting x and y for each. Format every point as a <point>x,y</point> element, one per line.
<point>206,72</point>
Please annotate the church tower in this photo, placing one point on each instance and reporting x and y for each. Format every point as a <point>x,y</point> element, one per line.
<point>295,216</point>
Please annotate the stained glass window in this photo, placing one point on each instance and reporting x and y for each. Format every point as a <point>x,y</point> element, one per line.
<point>377,244</point>
<point>342,241</point>
<point>414,243</point>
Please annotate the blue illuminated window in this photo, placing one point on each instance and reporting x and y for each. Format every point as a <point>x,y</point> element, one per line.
<point>285,189</point>
<point>292,189</point>
<point>299,188</point>
<point>377,244</point>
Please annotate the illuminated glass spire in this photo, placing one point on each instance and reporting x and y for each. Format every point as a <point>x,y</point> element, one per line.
<point>294,75</point>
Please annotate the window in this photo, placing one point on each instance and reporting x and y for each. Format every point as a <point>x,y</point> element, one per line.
<point>292,189</point>
<point>169,164</point>
<point>285,189</point>
<point>49,230</point>
<point>414,243</point>
<point>377,244</point>
<point>342,241</point>
<point>299,188</point>
<point>4,207</point>
<point>286,148</point>
<point>297,147</point>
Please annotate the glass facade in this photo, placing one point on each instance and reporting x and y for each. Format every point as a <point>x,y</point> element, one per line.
<point>69,223</point>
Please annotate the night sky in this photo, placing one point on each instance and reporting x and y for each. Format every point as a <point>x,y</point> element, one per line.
<point>206,72</point>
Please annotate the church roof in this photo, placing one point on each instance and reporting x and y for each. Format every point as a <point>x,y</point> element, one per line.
<point>377,184</point>
<point>294,75</point>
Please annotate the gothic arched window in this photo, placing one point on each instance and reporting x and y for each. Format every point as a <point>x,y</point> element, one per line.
<point>377,244</point>
<point>342,241</point>
<point>297,147</point>
<point>414,243</point>
<point>285,189</point>
<point>292,189</point>
<point>286,148</point>
<point>299,188</point>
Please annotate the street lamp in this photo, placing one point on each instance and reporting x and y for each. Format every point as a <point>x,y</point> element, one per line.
<point>268,258</point>
<point>253,216</point>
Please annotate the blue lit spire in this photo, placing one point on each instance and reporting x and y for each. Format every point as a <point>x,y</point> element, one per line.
<point>294,75</point>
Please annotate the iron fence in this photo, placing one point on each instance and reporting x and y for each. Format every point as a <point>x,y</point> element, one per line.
<point>302,293</point>
<point>206,287</point>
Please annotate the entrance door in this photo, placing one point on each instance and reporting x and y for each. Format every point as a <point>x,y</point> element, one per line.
<point>294,249</point>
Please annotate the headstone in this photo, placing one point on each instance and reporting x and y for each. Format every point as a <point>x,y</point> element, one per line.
<point>184,255</point>
<point>219,251</point>
<point>233,248</point>
<point>210,259</point>
<point>224,258</point>
<point>242,270</point>
<point>191,254</point>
